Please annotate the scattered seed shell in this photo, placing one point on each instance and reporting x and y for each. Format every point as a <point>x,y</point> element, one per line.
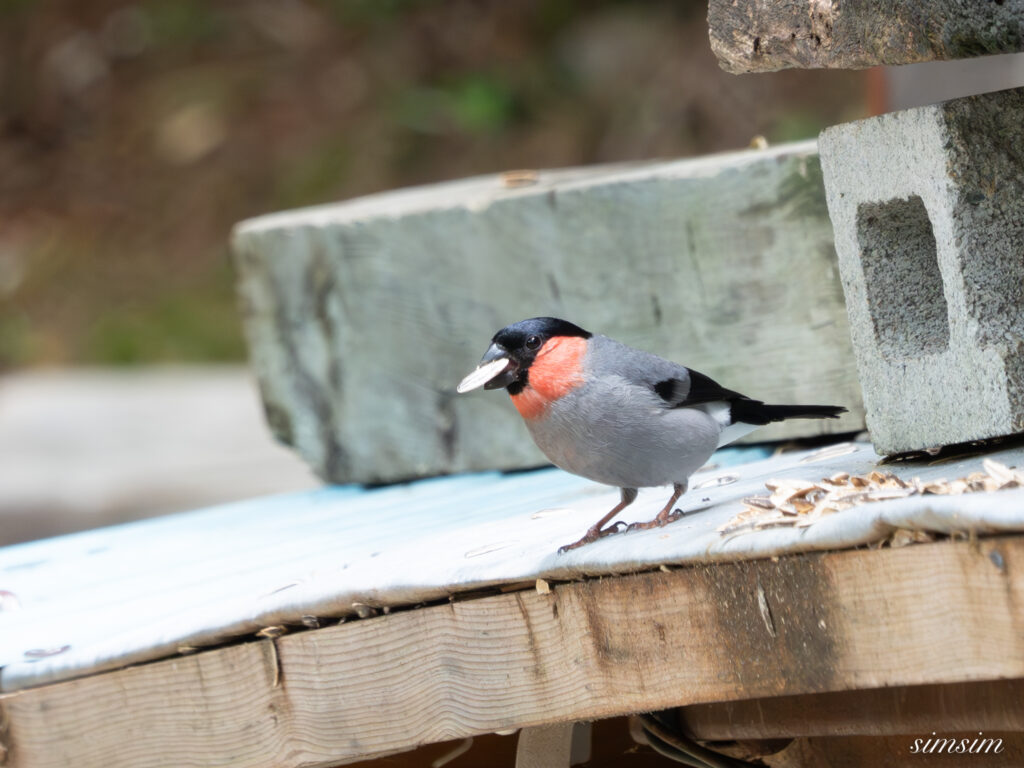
<point>364,611</point>
<point>799,503</point>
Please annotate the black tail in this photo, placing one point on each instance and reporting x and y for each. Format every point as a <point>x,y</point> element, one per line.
<point>756,412</point>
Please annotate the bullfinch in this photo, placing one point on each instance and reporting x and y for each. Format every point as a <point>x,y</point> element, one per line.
<point>618,415</point>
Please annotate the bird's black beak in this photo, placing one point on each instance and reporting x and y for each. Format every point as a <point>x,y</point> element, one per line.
<point>496,369</point>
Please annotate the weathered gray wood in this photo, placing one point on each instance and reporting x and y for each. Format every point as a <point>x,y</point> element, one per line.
<point>767,35</point>
<point>926,614</point>
<point>363,316</point>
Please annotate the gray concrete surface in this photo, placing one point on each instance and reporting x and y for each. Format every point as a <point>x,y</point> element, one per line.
<point>928,209</point>
<point>758,36</point>
<point>363,316</point>
<point>84,448</point>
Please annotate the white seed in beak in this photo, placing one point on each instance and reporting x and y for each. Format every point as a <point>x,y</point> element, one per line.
<point>482,375</point>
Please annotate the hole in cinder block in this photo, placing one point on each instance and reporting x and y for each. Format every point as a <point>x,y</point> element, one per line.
<point>901,273</point>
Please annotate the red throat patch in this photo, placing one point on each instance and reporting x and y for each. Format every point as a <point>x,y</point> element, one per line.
<point>556,371</point>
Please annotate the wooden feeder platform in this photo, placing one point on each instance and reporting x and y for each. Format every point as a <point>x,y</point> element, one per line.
<point>340,625</point>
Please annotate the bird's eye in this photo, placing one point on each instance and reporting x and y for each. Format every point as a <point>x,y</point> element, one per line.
<point>533,342</point>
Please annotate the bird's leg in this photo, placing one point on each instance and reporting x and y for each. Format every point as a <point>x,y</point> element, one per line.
<point>595,531</point>
<point>666,515</point>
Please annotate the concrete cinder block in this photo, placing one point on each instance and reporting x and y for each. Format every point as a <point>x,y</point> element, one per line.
<point>363,316</point>
<point>928,210</point>
<point>760,36</point>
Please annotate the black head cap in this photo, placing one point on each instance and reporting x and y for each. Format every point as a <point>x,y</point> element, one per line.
<point>541,329</point>
<point>522,340</point>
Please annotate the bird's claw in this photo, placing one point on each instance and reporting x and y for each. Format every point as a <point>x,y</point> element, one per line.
<point>659,522</point>
<point>575,545</point>
<point>592,535</point>
<point>621,527</point>
<point>676,514</point>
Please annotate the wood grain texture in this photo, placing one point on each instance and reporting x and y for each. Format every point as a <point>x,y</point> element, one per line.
<point>928,614</point>
<point>768,35</point>
<point>363,316</point>
<point>990,705</point>
<point>897,752</point>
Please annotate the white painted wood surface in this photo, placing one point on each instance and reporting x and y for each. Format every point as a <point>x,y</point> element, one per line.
<point>103,599</point>
<point>944,612</point>
<point>363,316</point>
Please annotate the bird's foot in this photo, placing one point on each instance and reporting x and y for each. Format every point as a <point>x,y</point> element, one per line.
<point>664,518</point>
<point>594,534</point>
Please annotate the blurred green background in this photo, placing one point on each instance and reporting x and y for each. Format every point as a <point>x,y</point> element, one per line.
<point>133,135</point>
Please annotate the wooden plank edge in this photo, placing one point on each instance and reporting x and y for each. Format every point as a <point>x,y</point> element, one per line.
<point>936,613</point>
<point>989,705</point>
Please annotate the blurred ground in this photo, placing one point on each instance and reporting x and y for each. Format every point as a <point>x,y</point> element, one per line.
<point>91,447</point>
<point>134,134</point>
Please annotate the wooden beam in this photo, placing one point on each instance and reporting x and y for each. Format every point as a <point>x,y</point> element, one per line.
<point>923,750</point>
<point>927,614</point>
<point>990,705</point>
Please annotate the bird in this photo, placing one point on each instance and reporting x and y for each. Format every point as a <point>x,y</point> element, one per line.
<point>617,415</point>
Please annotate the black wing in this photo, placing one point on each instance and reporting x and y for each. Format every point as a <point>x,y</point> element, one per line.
<point>678,393</point>
<point>698,389</point>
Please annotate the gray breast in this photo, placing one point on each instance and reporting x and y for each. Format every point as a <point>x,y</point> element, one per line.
<point>615,432</point>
